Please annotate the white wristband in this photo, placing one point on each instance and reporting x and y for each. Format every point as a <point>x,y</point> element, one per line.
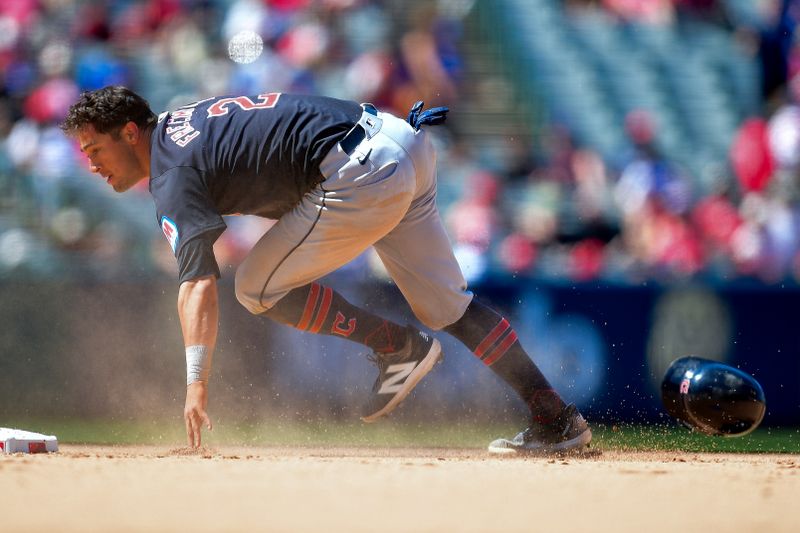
<point>198,363</point>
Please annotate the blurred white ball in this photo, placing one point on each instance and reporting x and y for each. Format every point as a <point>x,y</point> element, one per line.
<point>245,46</point>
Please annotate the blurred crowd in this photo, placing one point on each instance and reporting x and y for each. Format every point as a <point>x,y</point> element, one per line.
<point>558,212</point>
<point>55,220</point>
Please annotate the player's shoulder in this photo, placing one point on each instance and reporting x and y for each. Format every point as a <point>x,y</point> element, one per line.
<point>176,140</point>
<point>174,183</point>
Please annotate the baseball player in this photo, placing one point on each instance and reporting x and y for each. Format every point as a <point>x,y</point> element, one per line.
<point>338,177</point>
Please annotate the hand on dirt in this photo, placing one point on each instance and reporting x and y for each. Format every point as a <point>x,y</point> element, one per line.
<point>194,413</point>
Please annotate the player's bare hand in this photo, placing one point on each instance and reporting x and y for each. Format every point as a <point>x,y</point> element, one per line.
<point>194,413</point>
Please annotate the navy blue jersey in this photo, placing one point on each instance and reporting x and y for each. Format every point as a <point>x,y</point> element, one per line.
<point>254,155</point>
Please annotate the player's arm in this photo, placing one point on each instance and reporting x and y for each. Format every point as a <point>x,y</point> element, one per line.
<point>191,224</point>
<point>199,312</point>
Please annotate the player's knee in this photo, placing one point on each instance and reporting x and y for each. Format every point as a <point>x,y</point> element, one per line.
<point>440,316</point>
<point>429,319</point>
<point>248,292</point>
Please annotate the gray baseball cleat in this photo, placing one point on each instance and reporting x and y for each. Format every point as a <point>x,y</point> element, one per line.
<point>400,371</point>
<point>568,433</point>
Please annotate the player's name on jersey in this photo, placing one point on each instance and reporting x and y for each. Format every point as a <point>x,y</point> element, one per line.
<point>179,129</point>
<point>179,126</point>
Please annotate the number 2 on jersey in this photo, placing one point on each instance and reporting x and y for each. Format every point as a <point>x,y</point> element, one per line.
<point>266,101</point>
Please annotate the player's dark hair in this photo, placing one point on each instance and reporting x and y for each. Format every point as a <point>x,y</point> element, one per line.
<point>108,110</point>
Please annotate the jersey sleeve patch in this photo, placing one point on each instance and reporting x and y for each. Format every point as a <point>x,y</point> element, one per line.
<point>171,232</point>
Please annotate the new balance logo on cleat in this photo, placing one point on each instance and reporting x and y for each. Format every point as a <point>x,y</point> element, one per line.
<point>400,371</point>
<point>395,383</point>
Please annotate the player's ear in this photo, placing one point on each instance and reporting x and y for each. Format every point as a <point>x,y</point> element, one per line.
<point>130,132</point>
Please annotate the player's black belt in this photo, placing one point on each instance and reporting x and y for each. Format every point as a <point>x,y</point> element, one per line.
<point>357,132</point>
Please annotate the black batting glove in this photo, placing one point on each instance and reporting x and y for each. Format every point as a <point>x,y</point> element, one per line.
<point>429,117</point>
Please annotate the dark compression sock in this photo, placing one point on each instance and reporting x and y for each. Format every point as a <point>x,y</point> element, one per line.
<point>492,339</point>
<point>318,309</point>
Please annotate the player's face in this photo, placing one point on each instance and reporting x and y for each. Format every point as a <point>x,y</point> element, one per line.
<point>112,156</point>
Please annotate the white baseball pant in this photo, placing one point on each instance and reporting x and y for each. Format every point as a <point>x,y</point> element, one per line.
<point>384,195</point>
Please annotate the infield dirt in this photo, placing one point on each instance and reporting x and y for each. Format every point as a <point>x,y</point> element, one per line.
<point>92,488</point>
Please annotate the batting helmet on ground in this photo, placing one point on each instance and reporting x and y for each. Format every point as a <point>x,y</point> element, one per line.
<point>712,397</point>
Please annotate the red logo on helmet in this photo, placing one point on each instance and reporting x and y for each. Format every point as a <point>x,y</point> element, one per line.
<point>685,386</point>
